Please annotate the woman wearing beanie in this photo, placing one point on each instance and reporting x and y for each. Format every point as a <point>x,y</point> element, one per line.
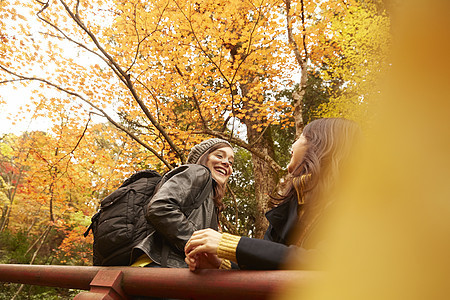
<point>187,199</point>
<point>317,159</point>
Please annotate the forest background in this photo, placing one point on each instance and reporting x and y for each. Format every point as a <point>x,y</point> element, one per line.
<point>131,85</point>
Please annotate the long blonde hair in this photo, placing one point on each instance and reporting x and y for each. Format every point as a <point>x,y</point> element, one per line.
<point>330,142</point>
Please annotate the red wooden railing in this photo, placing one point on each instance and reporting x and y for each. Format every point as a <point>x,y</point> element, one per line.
<point>123,282</point>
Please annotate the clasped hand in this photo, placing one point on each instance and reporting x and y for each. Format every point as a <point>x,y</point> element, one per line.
<point>201,250</point>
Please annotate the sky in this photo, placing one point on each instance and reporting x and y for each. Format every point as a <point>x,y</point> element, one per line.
<point>14,100</point>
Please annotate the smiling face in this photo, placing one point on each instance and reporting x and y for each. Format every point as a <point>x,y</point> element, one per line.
<point>220,163</point>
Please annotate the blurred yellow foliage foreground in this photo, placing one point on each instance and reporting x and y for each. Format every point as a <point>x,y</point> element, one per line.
<point>391,236</point>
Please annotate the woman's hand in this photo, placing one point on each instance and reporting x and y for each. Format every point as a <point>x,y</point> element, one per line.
<point>201,249</point>
<point>203,261</point>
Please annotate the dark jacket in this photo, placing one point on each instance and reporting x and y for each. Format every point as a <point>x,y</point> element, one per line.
<point>278,245</point>
<point>176,210</point>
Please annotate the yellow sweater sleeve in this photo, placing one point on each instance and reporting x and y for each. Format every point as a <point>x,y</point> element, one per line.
<point>225,265</point>
<point>227,247</point>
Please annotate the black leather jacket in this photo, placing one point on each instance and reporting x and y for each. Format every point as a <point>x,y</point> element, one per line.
<point>176,210</point>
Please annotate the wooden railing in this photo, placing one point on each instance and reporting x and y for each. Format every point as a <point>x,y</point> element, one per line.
<point>124,282</point>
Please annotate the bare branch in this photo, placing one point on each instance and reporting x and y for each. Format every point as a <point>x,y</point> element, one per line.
<point>127,81</point>
<point>137,34</point>
<point>101,111</point>
<point>197,104</point>
<point>201,47</point>
<point>236,210</point>
<point>261,135</point>
<point>304,30</point>
<point>298,95</point>
<point>79,139</point>
<point>273,164</point>
<point>38,14</point>
<point>291,39</point>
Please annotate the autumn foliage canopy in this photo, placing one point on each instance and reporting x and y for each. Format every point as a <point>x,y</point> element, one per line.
<point>128,85</point>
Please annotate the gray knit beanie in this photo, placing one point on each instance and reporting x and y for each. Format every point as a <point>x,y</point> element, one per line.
<point>198,150</point>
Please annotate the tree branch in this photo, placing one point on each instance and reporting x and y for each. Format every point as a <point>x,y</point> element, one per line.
<point>102,112</point>
<point>273,164</point>
<point>304,30</point>
<point>126,80</point>
<point>298,95</point>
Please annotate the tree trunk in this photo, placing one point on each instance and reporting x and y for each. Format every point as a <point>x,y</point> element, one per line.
<point>298,96</point>
<point>302,62</point>
<point>5,217</point>
<point>265,177</point>
<point>10,195</point>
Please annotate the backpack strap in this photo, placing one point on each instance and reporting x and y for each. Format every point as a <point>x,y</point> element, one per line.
<point>201,197</point>
<point>204,194</point>
<point>140,174</point>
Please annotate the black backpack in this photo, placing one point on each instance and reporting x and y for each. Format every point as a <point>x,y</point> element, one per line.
<point>120,223</point>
